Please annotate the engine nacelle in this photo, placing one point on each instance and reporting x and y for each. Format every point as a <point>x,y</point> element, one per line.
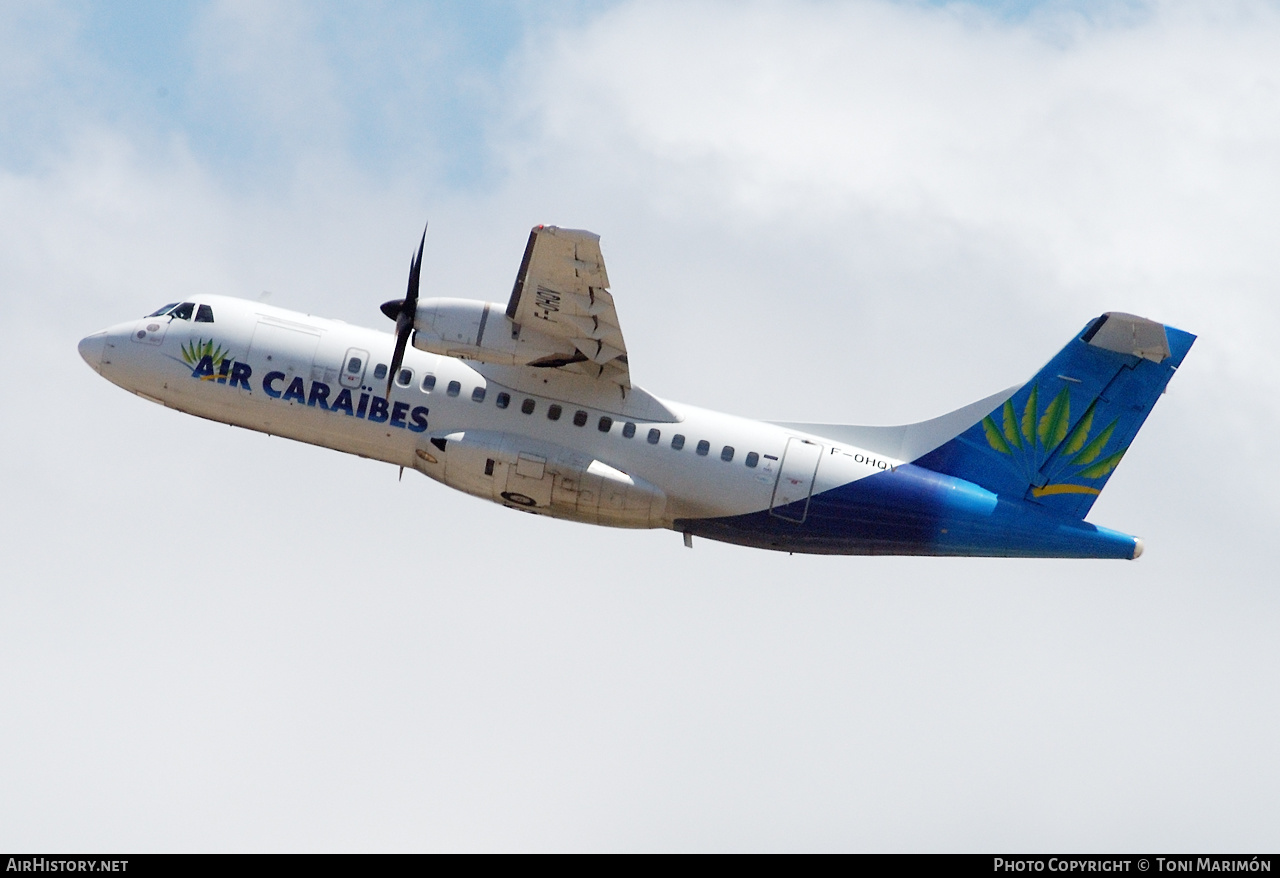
<point>472,330</point>
<point>541,477</point>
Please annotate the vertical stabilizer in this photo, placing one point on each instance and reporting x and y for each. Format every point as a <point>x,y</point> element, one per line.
<point>1057,440</point>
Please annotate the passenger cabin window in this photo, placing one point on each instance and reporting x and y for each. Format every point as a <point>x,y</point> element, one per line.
<point>677,441</point>
<point>354,365</point>
<point>528,406</point>
<point>703,447</point>
<point>428,383</point>
<point>628,429</point>
<point>379,371</point>
<point>503,400</point>
<point>454,388</point>
<point>405,378</point>
<point>204,314</point>
<point>162,311</point>
<point>726,453</point>
<point>606,424</point>
<point>654,435</point>
<point>553,413</point>
<point>477,395</point>
<point>579,418</point>
<point>752,459</point>
<point>183,311</point>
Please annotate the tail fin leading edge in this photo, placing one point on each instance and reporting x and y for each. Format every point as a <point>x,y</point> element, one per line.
<point>1057,440</point>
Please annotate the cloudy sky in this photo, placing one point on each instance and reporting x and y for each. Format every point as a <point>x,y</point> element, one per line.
<point>864,212</point>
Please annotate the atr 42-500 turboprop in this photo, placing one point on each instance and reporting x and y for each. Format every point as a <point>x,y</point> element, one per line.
<point>532,406</point>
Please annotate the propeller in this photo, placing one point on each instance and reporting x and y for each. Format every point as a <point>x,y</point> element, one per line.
<point>403,311</point>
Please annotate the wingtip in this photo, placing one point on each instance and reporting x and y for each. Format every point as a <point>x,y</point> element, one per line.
<point>1137,549</point>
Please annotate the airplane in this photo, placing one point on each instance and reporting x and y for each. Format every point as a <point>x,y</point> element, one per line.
<point>532,406</point>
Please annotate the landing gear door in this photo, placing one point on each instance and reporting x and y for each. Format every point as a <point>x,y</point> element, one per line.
<point>795,480</point>
<point>528,482</point>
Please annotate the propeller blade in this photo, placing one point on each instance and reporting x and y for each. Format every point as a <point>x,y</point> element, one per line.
<point>415,272</point>
<point>403,328</point>
<point>404,311</point>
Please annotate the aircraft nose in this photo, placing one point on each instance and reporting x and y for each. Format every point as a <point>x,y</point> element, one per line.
<point>91,348</point>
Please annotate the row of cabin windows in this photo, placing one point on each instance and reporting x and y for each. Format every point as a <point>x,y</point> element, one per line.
<point>555,411</point>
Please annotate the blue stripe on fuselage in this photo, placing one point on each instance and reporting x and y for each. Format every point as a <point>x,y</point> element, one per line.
<point>915,511</point>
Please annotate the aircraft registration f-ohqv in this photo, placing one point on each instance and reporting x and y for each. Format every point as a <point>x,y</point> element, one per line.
<point>531,406</point>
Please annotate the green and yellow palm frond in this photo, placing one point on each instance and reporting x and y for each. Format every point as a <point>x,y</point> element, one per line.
<point>1102,467</point>
<point>994,437</point>
<point>1052,429</point>
<point>195,351</point>
<point>1090,452</point>
<point>1036,436</point>
<point>1011,425</point>
<point>1080,434</point>
<point>1029,416</point>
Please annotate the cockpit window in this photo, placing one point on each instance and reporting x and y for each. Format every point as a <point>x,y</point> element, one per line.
<point>162,311</point>
<point>183,311</point>
<point>204,314</point>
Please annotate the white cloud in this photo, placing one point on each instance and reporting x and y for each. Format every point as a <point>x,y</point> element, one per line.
<point>1135,161</point>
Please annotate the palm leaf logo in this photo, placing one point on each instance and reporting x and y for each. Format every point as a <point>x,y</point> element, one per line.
<point>1030,439</point>
<point>1080,434</point>
<point>1053,423</point>
<point>1094,448</point>
<point>994,437</point>
<point>1004,438</point>
<point>1029,416</point>
<point>1102,467</point>
<point>1011,424</point>
<point>195,351</point>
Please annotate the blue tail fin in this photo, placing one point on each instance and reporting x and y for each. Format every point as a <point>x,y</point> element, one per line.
<point>1057,440</point>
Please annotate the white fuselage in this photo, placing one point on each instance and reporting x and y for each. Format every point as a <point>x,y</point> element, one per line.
<point>613,463</point>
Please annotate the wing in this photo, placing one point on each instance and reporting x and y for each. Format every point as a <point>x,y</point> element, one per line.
<point>562,291</point>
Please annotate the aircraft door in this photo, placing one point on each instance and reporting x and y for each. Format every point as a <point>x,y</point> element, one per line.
<point>328,361</point>
<point>353,367</point>
<point>795,480</point>
<point>278,348</point>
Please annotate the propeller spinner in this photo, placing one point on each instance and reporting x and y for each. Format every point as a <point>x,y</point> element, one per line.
<point>403,311</point>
